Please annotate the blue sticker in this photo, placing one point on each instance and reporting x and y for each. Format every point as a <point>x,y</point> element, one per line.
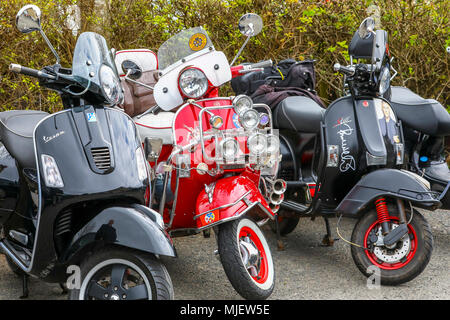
<point>236,121</point>
<point>91,117</point>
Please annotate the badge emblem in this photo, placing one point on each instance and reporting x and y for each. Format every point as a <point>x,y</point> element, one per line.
<point>197,42</point>
<point>91,117</point>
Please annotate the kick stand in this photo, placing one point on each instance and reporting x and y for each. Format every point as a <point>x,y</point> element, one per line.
<point>24,287</point>
<point>279,241</point>
<point>328,240</point>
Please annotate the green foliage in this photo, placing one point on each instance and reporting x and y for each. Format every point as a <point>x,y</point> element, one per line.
<point>419,32</point>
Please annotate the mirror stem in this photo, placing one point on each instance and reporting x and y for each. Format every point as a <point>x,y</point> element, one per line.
<point>58,60</point>
<point>240,50</point>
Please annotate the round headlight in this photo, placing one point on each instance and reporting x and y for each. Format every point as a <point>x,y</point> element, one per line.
<point>193,83</point>
<point>385,80</point>
<point>273,144</point>
<point>110,84</point>
<point>230,148</point>
<point>257,144</point>
<point>242,102</point>
<point>249,119</point>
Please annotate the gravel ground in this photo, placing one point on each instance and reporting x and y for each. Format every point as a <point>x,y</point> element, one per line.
<point>304,270</point>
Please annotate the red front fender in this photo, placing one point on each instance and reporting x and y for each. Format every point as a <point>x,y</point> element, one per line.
<point>230,197</point>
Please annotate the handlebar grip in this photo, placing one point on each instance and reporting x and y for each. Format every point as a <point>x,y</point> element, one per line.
<point>262,64</point>
<point>17,68</point>
<point>345,70</point>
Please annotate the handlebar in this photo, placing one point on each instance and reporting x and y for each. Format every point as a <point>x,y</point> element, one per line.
<point>241,69</point>
<point>349,71</point>
<point>17,68</point>
<point>262,64</point>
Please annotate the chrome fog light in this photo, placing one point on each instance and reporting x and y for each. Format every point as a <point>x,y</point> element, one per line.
<point>242,102</point>
<point>257,144</point>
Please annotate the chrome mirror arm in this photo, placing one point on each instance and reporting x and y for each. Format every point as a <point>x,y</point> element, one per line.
<point>137,82</point>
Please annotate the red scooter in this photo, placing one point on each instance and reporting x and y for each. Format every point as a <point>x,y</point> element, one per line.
<point>210,156</point>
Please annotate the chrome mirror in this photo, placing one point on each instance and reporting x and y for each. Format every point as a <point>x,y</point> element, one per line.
<point>250,24</point>
<point>28,19</point>
<point>366,28</point>
<point>131,69</point>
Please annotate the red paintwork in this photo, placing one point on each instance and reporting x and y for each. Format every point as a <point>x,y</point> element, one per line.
<point>192,198</point>
<point>229,190</point>
<point>194,186</point>
<point>235,71</point>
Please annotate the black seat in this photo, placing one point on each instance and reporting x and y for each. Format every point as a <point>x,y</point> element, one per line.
<point>424,115</point>
<point>298,113</point>
<point>16,134</point>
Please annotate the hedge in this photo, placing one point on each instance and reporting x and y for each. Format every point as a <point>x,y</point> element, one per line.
<point>419,32</point>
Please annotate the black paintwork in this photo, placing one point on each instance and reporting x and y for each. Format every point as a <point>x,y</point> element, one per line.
<point>386,182</point>
<point>113,226</point>
<point>87,195</point>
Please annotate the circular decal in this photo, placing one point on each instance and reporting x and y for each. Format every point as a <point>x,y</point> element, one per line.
<point>197,42</point>
<point>236,121</point>
<point>210,217</point>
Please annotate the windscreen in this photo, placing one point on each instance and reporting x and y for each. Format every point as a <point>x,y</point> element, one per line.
<point>93,66</point>
<point>91,51</point>
<point>182,45</point>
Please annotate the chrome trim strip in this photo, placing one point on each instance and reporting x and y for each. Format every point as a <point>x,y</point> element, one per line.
<point>224,206</point>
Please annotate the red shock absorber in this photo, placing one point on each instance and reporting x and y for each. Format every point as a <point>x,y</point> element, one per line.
<point>382,213</point>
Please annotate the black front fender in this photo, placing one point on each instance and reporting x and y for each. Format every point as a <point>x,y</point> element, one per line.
<point>389,183</point>
<point>136,227</point>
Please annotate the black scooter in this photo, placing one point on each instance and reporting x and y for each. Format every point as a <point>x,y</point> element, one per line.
<point>425,123</point>
<point>347,160</point>
<point>74,184</point>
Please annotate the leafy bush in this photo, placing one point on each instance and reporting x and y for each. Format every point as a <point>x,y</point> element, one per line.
<point>419,32</point>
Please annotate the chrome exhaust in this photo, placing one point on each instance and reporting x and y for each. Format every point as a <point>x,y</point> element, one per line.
<point>276,198</point>
<point>279,186</point>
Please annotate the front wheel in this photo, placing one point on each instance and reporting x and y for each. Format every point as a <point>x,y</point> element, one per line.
<point>123,274</point>
<point>399,263</point>
<point>246,259</point>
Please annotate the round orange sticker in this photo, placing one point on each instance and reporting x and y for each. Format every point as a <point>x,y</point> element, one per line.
<point>197,42</point>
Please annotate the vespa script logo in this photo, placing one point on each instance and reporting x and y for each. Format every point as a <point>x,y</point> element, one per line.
<point>347,160</point>
<point>56,135</point>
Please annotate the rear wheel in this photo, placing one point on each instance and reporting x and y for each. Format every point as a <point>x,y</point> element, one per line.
<point>399,263</point>
<point>120,274</point>
<point>286,224</point>
<point>246,259</point>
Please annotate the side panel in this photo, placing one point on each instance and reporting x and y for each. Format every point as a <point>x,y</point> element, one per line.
<point>342,148</point>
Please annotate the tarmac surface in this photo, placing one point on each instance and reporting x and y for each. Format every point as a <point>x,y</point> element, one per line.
<point>304,270</point>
